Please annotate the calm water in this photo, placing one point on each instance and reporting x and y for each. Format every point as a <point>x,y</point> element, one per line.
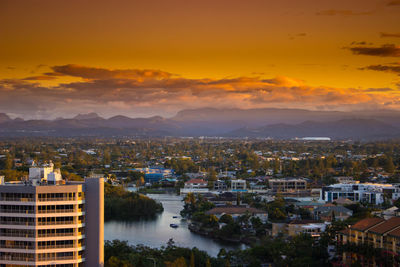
<point>157,232</point>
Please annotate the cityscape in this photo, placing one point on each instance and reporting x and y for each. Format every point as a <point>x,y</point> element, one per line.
<point>214,201</point>
<point>213,133</point>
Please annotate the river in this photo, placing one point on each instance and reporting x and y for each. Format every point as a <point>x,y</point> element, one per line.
<point>156,233</point>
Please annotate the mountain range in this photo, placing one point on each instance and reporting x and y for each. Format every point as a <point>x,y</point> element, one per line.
<point>237,123</point>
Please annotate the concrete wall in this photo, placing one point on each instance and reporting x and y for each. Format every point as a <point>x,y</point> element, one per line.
<point>94,206</point>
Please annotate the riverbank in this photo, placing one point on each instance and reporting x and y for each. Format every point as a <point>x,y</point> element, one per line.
<point>121,204</point>
<point>194,228</point>
<point>146,191</point>
<point>212,233</point>
<point>156,233</point>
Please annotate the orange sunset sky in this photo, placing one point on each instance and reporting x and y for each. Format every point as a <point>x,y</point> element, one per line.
<point>144,58</point>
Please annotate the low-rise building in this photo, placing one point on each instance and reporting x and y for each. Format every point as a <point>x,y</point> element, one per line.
<point>227,174</point>
<point>278,228</point>
<point>332,212</point>
<point>196,183</point>
<point>238,185</point>
<point>290,185</point>
<point>196,175</point>
<point>225,198</point>
<point>344,180</point>
<point>312,227</point>
<point>155,175</point>
<point>199,186</point>
<point>376,232</point>
<point>367,192</point>
<point>220,185</point>
<point>237,211</point>
<point>387,213</point>
<point>295,227</point>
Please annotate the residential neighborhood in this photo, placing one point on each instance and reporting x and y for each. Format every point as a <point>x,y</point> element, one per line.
<point>241,192</point>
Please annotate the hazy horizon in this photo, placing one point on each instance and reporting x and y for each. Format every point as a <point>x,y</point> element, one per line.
<point>170,116</point>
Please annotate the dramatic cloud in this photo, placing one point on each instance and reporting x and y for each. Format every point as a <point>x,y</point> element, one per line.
<point>387,50</point>
<point>341,12</point>
<point>393,68</point>
<point>137,92</point>
<point>39,78</point>
<point>394,35</point>
<point>379,90</point>
<point>361,43</point>
<point>394,3</point>
<point>99,73</point>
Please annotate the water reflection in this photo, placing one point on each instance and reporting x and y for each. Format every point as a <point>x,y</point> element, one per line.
<point>157,232</point>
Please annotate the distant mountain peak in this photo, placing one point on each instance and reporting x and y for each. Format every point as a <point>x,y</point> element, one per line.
<point>87,116</point>
<point>238,123</point>
<point>4,117</point>
<point>119,117</point>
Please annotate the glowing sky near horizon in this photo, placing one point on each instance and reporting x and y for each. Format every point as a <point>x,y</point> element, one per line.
<point>156,57</point>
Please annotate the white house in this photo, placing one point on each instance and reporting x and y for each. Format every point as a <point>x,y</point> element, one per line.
<point>195,186</point>
<point>238,185</point>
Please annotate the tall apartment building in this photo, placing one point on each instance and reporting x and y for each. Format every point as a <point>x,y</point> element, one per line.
<point>45,221</point>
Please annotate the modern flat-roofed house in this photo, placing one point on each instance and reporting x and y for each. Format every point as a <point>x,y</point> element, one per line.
<point>238,185</point>
<point>153,177</point>
<point>220,185</point>
<point>312,227</point>
<point>290,185</point>
<point>46,221</point>
<point>357,192</point>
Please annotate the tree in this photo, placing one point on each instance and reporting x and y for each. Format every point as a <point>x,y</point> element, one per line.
<point>212,174</point>
<point>115,262</point>
<point>140,182</point>
<point>226,218</point>
<point>229,231</point>
<point>179,262</point>
<point>190,198</point>
<point>333,216</point>
<point>277,166</point>
<point>106,157</point>
<point>71,176</point>
<point>8,163</point>
<point>192,259</point>
<point>277,214</point>
<point>375,163</point>
<point>389,166</point>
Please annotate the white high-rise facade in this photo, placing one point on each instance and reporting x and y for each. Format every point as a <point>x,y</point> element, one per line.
<point>47,222</point>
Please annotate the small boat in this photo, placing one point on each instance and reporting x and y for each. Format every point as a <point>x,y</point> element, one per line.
<point>174,217</point>
<point>173,225</point>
